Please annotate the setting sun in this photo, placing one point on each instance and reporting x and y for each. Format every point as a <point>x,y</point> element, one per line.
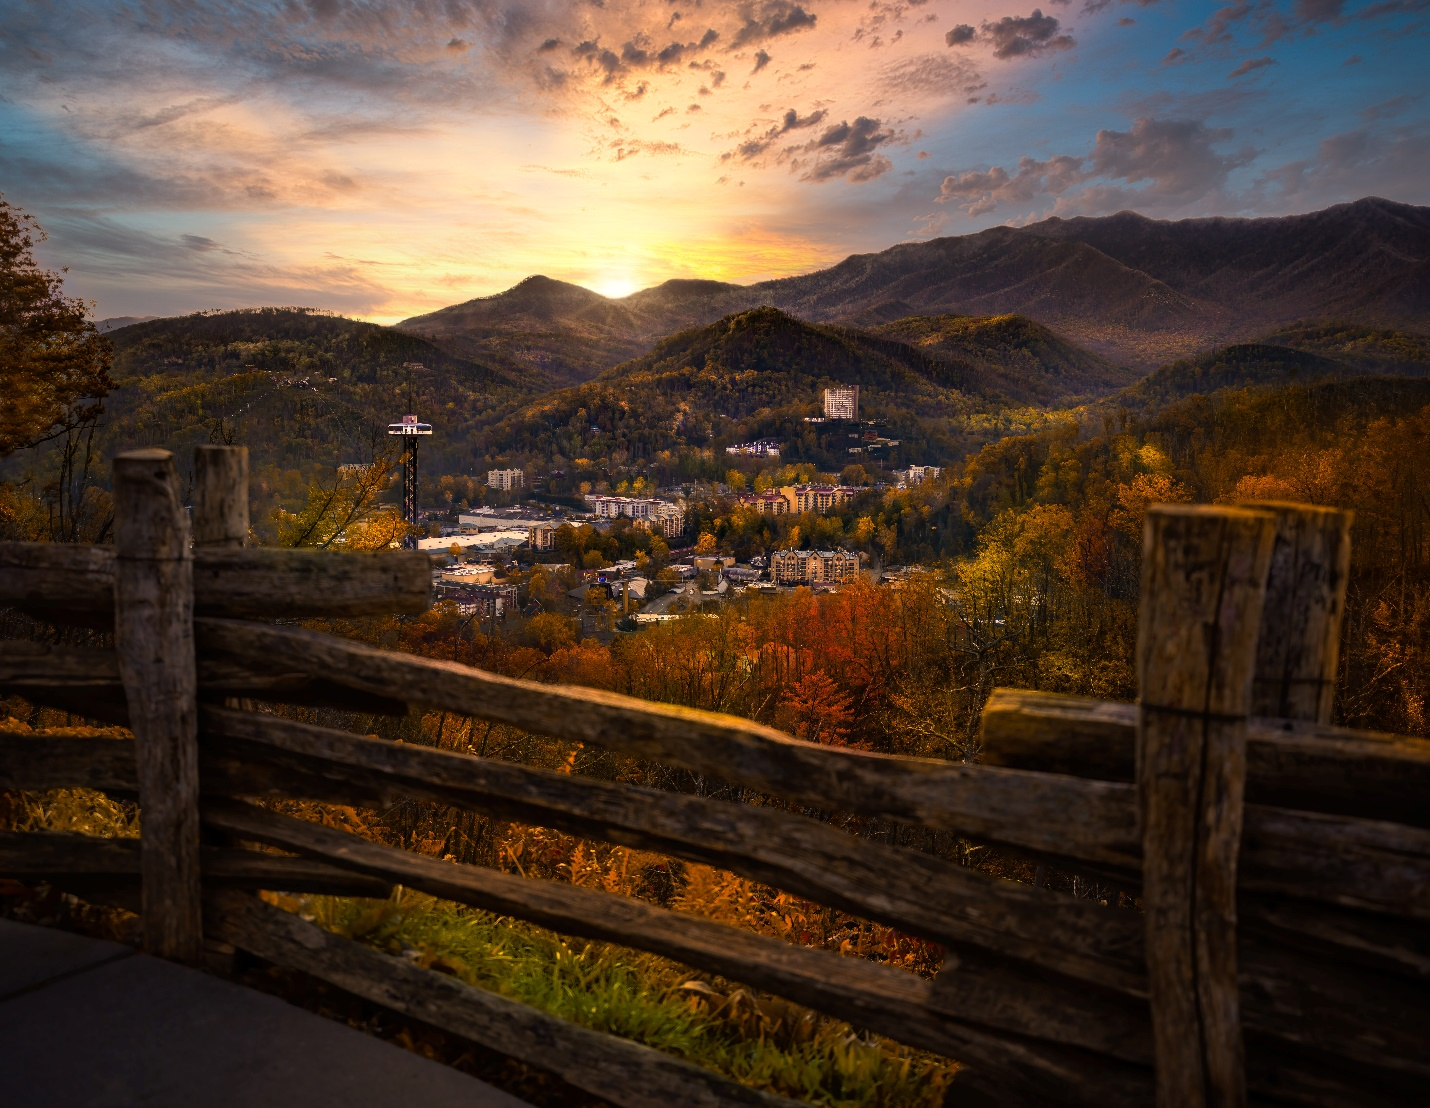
<point>616,286</point>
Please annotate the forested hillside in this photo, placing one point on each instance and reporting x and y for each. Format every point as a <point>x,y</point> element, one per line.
<point>1014,356</point>
<point>757,374</point>
<point>1294,355</point>
<point>296,385</point>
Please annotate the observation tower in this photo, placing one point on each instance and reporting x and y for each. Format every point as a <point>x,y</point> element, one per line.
<point>411,432</point>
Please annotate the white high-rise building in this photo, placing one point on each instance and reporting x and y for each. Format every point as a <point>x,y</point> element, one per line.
<point>505,479</point>
<point>842,403</point>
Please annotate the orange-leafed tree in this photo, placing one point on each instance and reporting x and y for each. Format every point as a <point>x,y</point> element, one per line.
<point>54,364</point>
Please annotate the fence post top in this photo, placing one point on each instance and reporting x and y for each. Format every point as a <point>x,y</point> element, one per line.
<point>1291,507</point>
<point>1194,511</point>
<point>147,454</point>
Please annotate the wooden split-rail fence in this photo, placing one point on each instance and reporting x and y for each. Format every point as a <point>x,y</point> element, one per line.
<point>1282,953</point>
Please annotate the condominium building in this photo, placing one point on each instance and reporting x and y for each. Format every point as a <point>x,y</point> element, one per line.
<point>818,498</point>
<point>917,475</point>
<point>658,515</point>
<point>505,479</point>
<point>764,448</point>
<point>813,567</point>
<point>542,537</point>
<point>486,601</point>
<point>767,503</point>
<point>842,403</point>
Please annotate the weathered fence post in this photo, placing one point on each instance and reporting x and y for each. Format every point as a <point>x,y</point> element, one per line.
<point>220,496</point>
<point>1305,601</point>
<point>154,635</point>
<point>1203,583</point>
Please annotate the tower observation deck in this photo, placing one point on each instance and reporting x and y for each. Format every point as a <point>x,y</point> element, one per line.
<point>411,432</point>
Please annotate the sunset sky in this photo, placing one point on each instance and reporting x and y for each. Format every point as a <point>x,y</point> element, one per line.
<point>385,159</point>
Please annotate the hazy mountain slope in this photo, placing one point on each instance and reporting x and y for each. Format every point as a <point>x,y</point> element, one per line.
<point>679,305</point>
<point>1013,355</point>
<point>993,272</point>
<point>1138,291</point>
<point>545,333</point>
<point>1366,262</point>
<point>114,322</point>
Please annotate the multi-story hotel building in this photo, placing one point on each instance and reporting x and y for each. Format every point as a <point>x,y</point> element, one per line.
<point>768,503</point>
<point>658,515</point>
<point>813,567</point>
<point>818,498</point>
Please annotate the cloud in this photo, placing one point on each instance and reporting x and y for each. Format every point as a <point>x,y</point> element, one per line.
<point>1026,37</point>
<point>848,150</point>
<point>930,75</point>
<point>1387,108</point>
<point>1173,160</point>
<point>1174,156</point>
<point>1251,65</point>
<point>961,34</point>
<point>980,192</point>
<point>1350,165</point>
<point>769,19</point>
<point>761,60</point>
<point>792,121</point>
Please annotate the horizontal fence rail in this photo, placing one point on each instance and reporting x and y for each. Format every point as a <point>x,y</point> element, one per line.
<point>1290,763</point>
<point>1321,967</point>
<point>1286,1002</point>
<point>60,580</point>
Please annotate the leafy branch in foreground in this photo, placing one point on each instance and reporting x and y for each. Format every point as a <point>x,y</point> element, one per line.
<point>54,365</point>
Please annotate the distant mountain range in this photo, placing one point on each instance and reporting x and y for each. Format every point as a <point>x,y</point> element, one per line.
<point>115,322</point>
<point>1137,291</point>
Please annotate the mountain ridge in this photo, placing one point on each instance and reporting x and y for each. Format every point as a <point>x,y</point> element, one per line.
<point>1136,290</point>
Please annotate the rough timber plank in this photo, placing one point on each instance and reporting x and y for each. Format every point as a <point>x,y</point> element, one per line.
<point>154,639</point>
<point>948,904</point>
<point>1289,763</point>
<point>1299,643</point>
<point>966,1019</point>
<point>1203,583</point>
<point>68,582</point>
<point>220,496</point>
<point>1046,813</point>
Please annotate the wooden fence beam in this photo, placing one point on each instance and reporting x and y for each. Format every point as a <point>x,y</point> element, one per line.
<point>220,496</point>
<point>75,584</point>
<point>75,861</point>
<point>1289,763</point>
<point>1075,1045</point>
<point>1047,813</point>
<point>1299,645</point>
<point>1203,583</point>
<point>154,637</point>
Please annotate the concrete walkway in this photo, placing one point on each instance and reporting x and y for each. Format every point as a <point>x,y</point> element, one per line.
<point>88,1023</point>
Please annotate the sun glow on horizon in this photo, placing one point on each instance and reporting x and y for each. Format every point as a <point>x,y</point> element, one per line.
<point>615,286</point>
